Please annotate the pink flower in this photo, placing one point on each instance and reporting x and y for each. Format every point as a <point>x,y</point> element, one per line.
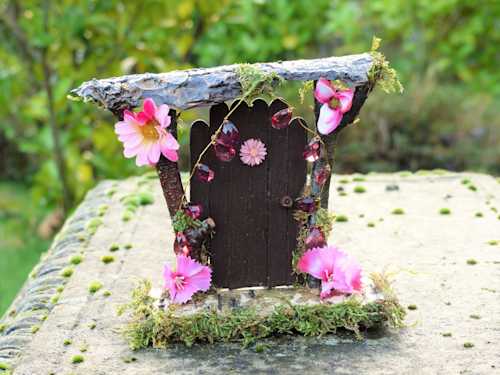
<point>336,102</point>
<point>144,134</point>
<point>189,278</point>
<point>253,152</point>
<point>337,271</point>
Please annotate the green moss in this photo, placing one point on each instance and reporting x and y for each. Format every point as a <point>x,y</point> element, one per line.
<point>398,211</point>
<point>92,325</point>
<point>2,327</point>
<point>446,334</point>
<point>444,211</point>
<point>181,221</point>
<point>35,329</point>
<point>474,316</point>
<point>114,247</point>
<point>466,181</point>
<point>111,192</point>
<point>479,214</point>
<point>127,215</point>
<point>255,82</point>
<point>106,259</point>
<point>76,259</point>
<point>4,366</point>
<point>358,179</point>
<point>412,307</point>
<point>405,174</point>
<point>371,224</point>
<point>493,242</point>
<point>359,189</point>
<point>381,72</point>
<point>77,359</point>
<point>472,187</point>
<point>127,246</point>
<point>341,219</point>
<point>342,194</point>
<point>84,348</point>
<point>81,238</point>
<point>106,293</point>
<point>154,327</point>
<point>145,198</point>
<point>129,359</point>
<point>94,287</point>
<point>67,342</point>
<point>344,181</point>
<point>468,345</point>
<point>471,262</point>
<point>93,224</point>
<point>67,272</point>
<point>60,289</point>
<point>55,299</point>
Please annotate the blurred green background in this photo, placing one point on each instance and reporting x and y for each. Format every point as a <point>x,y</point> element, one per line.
<point>53,150</point>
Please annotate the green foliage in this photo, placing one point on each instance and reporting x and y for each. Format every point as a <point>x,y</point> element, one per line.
<point>76,259</point>
<point>153,327</point>
<point>77,359</point>
<point>181,221</point>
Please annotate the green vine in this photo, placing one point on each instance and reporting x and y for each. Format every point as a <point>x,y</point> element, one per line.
<point>381,72</point>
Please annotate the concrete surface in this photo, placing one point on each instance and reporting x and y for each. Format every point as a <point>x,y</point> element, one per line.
<point>428,252</point>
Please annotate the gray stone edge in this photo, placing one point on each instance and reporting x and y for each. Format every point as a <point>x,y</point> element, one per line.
<point>35,300</point>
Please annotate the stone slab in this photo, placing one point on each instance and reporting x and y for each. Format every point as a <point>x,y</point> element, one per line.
<point>426,251</point>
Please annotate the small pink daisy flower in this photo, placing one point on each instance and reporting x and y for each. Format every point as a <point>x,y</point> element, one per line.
<point>145,136</point>
<point>253,152</point>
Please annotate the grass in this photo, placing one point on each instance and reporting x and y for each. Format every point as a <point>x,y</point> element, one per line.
<point>20,247</point>
<point>341,219</point>
<point>444,211</point>
<point>471,262</point>
<point>106,259</point>
<point>359,189</point>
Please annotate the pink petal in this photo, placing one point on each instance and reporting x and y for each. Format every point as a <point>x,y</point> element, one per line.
<point>171,155</point>
<point>129,117</point>
<point>161,115</point>
<point>170,142</point>
<point>326,288</point>
<point>122,127</point>
<point>142,156</point>
<point>130,140</point>
<point>169,277</point>
<point>324,92</point>
<point>130,152</point>
<point>345,98</point>
<point>202,279</point>
<point>312,263</point>
<point>149,108</point>
<point>154,153</point>
<point>187,266</point>
<point>328,119</point>
<point>347,275</point>
<point>142,118</point>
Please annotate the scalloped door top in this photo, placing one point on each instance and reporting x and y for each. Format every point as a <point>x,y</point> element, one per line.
<point>255,232</point>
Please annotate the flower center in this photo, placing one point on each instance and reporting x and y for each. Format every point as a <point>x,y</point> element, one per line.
<point>179,282</point>
<point>149,131</point>
<point>253,152</point>
<point>334,103</point>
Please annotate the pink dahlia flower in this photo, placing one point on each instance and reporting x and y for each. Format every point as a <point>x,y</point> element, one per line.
<point>189,277</point>
<point>337,271</point>
<point>145,136</point>
<point>336,102</point>
<point>253,152</point>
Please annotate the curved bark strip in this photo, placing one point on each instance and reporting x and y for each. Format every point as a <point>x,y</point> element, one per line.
<point>203,87</point>
<point>170,178</point>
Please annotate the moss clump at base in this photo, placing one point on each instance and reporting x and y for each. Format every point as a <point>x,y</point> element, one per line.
<point>151,326</point>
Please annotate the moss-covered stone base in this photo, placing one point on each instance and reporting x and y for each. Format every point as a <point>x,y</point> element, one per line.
<point>249,315</point>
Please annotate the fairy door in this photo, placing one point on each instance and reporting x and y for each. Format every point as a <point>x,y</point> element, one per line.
<point>255,230</point>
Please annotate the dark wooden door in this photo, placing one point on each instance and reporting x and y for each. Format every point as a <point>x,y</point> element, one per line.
<point>255,234</point>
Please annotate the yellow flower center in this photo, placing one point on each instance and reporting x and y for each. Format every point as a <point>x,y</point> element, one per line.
<point>149,131</point>
<point>334,103</point>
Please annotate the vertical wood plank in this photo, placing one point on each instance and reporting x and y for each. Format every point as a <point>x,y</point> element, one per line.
<point>199,138</point>
<point>219,204</point>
